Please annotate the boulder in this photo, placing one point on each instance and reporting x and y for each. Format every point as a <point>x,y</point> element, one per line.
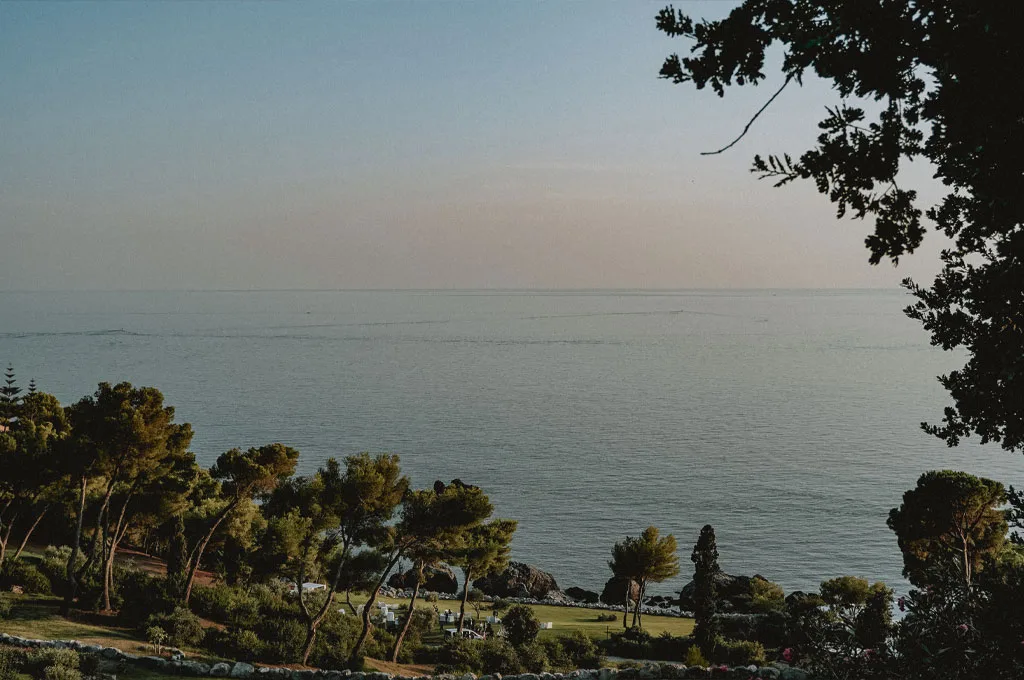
<point>220,670</point>
<point>197,668</point>
<point>435,579</point>
<point>241,670</point>
<point>582,595</point>
<point>110,653</point>
<point>154,662</point>
<point>519,580</point>
<point>733,593</point>
<point>614,591</point>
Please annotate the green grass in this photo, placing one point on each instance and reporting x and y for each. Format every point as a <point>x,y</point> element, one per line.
<point>38,616</point>
<point>564,619</point>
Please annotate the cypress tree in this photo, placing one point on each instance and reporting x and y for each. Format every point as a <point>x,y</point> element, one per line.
<point>705,562</point>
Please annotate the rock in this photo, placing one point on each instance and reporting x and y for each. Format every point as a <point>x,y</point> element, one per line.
<point>582,595</point>
<point>614,591</point>
<point>302,675</point>
<point>793,674</point>
<point>154,662</point>
<point>110,653</point>
<point>518,580</point>
<point>194,668</point>
<point>435,580</point>
<point>733,593</point>
<point>768,672</point>
<point>220,670</point>
<point>241,670</point>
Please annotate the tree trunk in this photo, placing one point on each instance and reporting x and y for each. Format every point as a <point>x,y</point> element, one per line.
<point>108,566</point>
<point>465,597</point>
<point>193,566</point>
<point>408,617</point>
<point>967,563</point>
<point>72,585</point>
<point>313,621</point>
<point>625,602</point>
<point>28,534</point>
<point>640,604</point>
<point>368,606</point>
<point>5,539</point>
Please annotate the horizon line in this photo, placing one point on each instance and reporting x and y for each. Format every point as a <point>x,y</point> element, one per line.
<point>449,290</point>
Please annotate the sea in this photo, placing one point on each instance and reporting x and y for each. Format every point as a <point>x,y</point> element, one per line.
<point>790,420</point>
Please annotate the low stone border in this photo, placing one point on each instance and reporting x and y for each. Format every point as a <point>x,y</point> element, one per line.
<point>178,665</point>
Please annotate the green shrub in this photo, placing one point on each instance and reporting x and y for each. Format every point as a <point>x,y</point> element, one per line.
<point>766,596</point>
<point>459,656</point>
<point>607,617</point>
<point>55,562</point>
<point>182,627</point>
<point>244,645</point>
<point>213,602</point>
<point>139,596</point>
<point>739,652</point>
<point>498,656</point>
<point>579,651</point>
<point>5,607</point>
<point>12,661</point>
<point>521,625</point>
<point>335,639</point>
<point>61,673</point>
<point>39,661</point>
<point>285,645</point>
<point>533,657</point>
<point>27,575</point>
<point>695,658</point>
<point>244,611</point>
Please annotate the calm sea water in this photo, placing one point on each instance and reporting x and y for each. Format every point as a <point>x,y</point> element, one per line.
<point>788,420</point>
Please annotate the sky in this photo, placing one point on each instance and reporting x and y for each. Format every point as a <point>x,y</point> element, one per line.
<point>246,145</point>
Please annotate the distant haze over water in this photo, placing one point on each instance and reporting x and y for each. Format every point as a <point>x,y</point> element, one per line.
<point>787,419</point>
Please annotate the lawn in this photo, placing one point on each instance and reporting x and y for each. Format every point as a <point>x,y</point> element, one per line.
<point>38,617</point>
<point>564,619</point>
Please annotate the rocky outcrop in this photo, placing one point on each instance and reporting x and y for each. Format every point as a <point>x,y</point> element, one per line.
<point>519,580</point>
<point>733,593</point>
<point>614,591</point>
<point>435,580</point>
<point>582,595</point>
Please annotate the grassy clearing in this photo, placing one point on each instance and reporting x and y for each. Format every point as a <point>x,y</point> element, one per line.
<point>564,619</point>
<point>38,617</point>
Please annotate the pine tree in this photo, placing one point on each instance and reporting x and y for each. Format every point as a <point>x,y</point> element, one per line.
<point>705,561</point>
<point>9,392</point>
<point>32,386</point>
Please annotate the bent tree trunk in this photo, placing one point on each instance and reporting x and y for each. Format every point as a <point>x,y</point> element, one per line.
<point>357,648</point>
<point>197,554</point>
<point>465,597</point>
<point>313,621</point>
<point>72,580</point>
<point>408,616</point>
<point>120,528</point>
<point>31,529</point>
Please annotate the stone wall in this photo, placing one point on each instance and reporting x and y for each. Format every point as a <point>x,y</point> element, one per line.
<point>178,665</point>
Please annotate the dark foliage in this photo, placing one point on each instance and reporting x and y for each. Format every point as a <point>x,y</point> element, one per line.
<point>916,80</point>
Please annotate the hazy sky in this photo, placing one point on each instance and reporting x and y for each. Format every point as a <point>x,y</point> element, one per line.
<point>394,145</point>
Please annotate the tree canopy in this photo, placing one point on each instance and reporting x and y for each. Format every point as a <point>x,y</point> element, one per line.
<point>950,520</point>
<point>916,80</point>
